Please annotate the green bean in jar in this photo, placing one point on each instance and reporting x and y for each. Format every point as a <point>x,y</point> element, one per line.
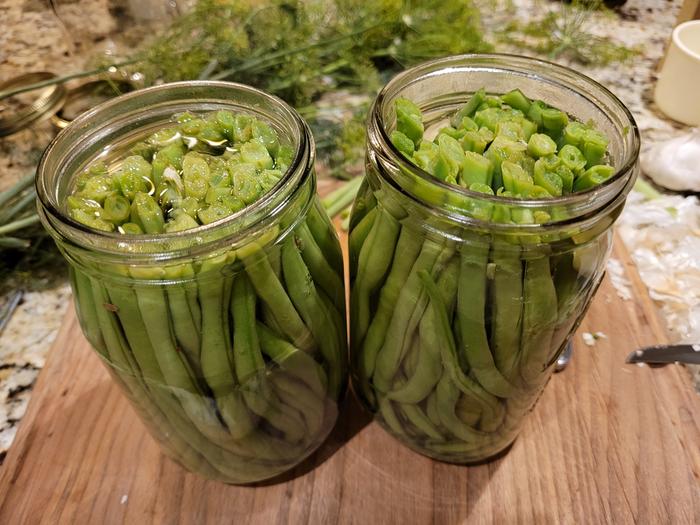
<point>477,242</point>
<point>205,272</point>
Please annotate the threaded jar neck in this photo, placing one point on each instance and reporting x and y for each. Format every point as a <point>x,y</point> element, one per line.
<point>120,121</point>
<point>441,86</point>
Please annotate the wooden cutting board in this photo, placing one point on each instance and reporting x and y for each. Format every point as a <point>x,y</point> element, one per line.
<point>607,443</point>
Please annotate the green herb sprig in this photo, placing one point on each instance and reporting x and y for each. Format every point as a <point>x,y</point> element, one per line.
<point>565,32</point>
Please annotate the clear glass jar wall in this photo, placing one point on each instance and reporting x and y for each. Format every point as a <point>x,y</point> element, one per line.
<point>461,302</point>
<point>229,339</point>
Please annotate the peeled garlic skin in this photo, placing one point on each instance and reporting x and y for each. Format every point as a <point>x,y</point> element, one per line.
<point>675,163</point>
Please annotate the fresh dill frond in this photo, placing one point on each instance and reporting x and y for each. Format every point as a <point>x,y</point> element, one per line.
<point>305,50</point>
<point>300,50</point>
<point>565,31</point>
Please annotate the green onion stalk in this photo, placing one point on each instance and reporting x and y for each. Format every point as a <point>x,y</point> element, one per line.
<point>461,302</point>
<point>230,338</point>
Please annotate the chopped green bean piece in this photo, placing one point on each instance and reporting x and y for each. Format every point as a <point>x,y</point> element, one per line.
<point>515,179</point>
<point>594,147</point>
<point>554,120</point>
<point>474,141</point>
<point>91,220</point>
<point>409,120</point>
<point>593,176</point>
<point>541,145</point>
<point>469,108</point>
<point>572,158</point>
<point>574,132</point>
<point>116,209</point>
<point>481,188</point>
<point>131,228</point>
<point>449,159</point>
<point>256,153</point>
<point>517,100</point>
<point>489,117</point>
<point>204,166</point>
<point>550,182</point>
<point>511,129</point>
<point>475,169</point>
<point>534,113</point>
<point>567,177</point>
<point>98,188</point>
<point>403,143</point>
<point>452,132</point>
<point>468,124</point>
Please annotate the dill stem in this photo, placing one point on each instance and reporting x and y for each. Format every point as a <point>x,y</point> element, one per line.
<point>268,60</point>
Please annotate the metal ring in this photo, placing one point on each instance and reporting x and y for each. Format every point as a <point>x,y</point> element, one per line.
<point>60,120</point>
<point>48,102</point>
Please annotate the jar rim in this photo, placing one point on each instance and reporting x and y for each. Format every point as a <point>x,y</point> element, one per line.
<point>550,71</point>
<point>172,245</point>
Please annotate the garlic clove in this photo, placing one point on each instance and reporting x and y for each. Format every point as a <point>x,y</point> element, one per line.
<point>675,163</point>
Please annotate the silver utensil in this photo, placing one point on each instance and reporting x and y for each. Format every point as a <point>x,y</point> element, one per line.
<point>564,358</point>
<point>682,353</point>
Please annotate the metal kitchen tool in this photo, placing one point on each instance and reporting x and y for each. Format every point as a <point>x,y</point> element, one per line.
<point>682,353</point>
<point>564,358</point>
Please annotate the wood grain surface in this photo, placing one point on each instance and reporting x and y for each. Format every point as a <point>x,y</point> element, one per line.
<point>607,443</point>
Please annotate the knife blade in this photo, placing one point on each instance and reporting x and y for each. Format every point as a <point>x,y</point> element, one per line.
<point>681,353</point>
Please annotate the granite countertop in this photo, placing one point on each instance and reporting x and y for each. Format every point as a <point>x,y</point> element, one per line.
<point>35,39</point>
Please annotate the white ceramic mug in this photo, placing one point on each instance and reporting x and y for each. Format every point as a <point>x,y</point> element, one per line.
<point>678,89</point>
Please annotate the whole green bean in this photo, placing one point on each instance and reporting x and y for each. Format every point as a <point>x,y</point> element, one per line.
<point>320,269</point>
<point>357,238</point>
<point>250,365</point>
<point>409,365</point>
<point>471,299</point>
<point>305,298</point>
<point>211,440</point>
<point>432,412</point>
<point>447,396</point>
<point>216,365</point>
<point>293,361</point>
<point>429,367</point>
<point>408,246</point>
<point>273,294</point>
<point>127,373</point>
<point>493,411</point>
<point>428,372</point>
<point>117,349</point>
<point>153,309</point>
<point>373,263</point>
<point>87,310</point>
<point>539,317</point>
<point>411,303</point>
<point>324,234</point>
<point>184,326</point>
<point>247,357</point>
<point>390,418</point>
<point>468,411</point>
<point>301,398</point>
<point>365,201</point>
<point>415,415</point>
<point>506,307</point>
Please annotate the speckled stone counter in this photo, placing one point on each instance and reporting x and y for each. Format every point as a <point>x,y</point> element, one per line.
<point>32,38</point>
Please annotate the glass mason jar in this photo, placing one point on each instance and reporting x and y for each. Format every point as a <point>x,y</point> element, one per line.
<point>461,302</point>
<point>229,339</point>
